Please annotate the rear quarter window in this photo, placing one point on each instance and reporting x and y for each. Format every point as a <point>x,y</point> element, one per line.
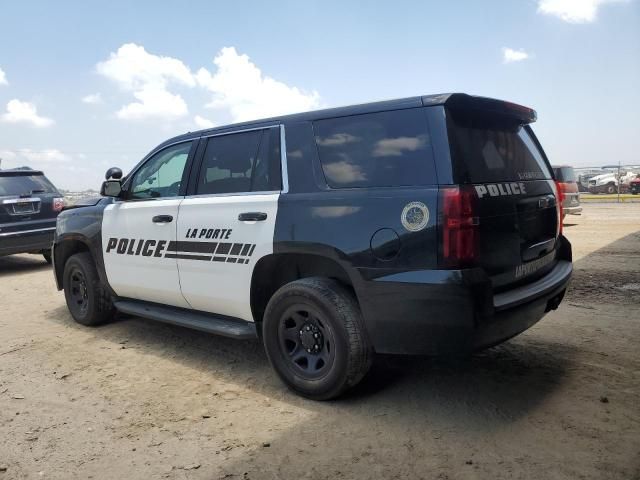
<point>382,149</point>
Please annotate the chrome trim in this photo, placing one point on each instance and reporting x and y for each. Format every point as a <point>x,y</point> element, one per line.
<point>21,200</point>
<point>284,172</point>
<point>8,234</point>
<point>231,132</point>
<point>233,194</point>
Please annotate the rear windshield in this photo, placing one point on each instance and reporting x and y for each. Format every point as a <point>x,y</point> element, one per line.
<point>492,150</point>
<point>564,174</point>
<point>25,185</point>
<point>381,149</point>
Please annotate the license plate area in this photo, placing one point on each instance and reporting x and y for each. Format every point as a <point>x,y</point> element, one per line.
<point>22,206</point>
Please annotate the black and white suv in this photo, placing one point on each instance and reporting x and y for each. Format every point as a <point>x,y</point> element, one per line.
<point>427,225</point>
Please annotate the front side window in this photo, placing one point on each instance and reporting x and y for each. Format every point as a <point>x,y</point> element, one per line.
<point>384,149</point>
<point>161,175</point>
<point>241,162</point>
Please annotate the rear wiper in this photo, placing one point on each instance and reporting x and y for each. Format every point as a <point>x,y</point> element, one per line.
<point>37,190</point>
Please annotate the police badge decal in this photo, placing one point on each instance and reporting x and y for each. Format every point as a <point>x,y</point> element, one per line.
<point>415,216</point>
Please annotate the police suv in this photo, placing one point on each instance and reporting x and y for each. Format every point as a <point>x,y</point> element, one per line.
<point>426,225</point>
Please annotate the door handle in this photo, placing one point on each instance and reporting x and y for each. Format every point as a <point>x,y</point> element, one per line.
<point>252,217</point>
<point>162,219</point>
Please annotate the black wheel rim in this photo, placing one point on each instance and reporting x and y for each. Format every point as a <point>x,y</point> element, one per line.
<point>78,292</point>
<point>306,341</point>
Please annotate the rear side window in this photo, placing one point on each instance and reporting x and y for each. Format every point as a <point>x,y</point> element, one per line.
<point>493,150</point>
<point>241,162</point>
<point>376,150</point>
<point>25,185</point>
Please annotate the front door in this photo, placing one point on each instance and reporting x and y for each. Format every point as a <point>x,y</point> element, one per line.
<point>139,232</point>
<point>228,223</point>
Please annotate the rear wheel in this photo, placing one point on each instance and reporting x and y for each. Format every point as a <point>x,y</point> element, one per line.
<point>87,299</point>
<point>315,339</point>
<point>611,188</point>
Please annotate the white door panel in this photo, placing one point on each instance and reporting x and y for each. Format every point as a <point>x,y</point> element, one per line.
<point>217,252</point>
<point>134,249</point>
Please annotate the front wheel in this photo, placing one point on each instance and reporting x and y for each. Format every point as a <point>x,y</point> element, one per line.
<point>611,188</point>
<point>88,301</point>
<point>315,338</point>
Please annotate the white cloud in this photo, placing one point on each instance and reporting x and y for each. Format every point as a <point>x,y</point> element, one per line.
<point>92,98</point>
<point>3,78</point>
<point>573,11</point>
<point>156,102</point>
<point>37,159</point>
<point>240,86</point>
<point>509,55</point>
<point>24,112</point>
<point>202,122</point>
<point>147,76</point>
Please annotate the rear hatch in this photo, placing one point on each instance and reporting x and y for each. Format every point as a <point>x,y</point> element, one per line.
<point>28,201</point>
<point>498,162</point>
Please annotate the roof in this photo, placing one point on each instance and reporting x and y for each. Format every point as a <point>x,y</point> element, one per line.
<point>452,100</point>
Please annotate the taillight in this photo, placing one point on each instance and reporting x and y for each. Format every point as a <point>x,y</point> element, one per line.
<point>58,204</point>
<point>459,226</point>
<point>559,201</point>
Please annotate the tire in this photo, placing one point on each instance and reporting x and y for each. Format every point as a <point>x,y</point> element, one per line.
<point>315,339</point>
<point>611,188</point>
<point>47,256</point>
<point>87,299</point>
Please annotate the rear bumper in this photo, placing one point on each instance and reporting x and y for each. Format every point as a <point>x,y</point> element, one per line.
<point>453,312</point>
<point>572,210</point>
<point>26,241</point>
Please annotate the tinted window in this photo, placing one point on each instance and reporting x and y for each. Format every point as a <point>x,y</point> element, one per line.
<point>241,162</point>
<point>25,185</point>
<point>376,150</point>
<point>491,150</point>
<point>161,175</point>
<point>564,174</point>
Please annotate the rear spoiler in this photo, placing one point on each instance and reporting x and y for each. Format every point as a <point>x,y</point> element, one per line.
<point>469,103</point>
<point>23,173</point>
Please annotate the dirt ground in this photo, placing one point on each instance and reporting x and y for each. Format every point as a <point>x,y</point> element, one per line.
<point>137,399</point>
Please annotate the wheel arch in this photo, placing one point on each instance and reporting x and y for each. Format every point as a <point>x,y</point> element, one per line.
<point>275,270</point>
<point>63,250</point>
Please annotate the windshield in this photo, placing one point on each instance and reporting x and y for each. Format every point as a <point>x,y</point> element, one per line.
<point>492,150</point>
<point>25,185</point>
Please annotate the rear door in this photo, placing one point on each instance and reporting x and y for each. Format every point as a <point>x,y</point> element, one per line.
<point>515,194</point>
<point>139,232</point>
<point>227,223</point>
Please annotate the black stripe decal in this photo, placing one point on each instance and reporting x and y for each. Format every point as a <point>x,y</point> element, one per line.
<point>223,249</point>
<point>235,250</point>
<point>245,249</point>
<point>231,259</point>
<point>182,256</point>
<point>194,247</point>
<point>219,259</point>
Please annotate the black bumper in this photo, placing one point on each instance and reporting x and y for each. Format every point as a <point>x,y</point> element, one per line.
<point>445,312</point>
<point>26,242</point>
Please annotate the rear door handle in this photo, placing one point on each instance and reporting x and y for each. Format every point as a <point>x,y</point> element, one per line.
<point>252,217</point>
<point>162,219</point>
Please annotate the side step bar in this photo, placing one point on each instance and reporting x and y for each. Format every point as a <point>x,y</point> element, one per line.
<point>206,322</point>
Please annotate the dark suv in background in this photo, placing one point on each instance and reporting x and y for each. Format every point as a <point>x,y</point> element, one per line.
<point>29,205</point>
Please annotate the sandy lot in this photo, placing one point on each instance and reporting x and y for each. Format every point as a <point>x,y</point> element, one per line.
<point>136,399</point>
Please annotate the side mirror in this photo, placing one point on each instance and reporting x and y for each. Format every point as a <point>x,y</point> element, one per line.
<point>111,188</point>
<point>113,172</point>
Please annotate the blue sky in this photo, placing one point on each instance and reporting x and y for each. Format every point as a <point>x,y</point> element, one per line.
<point>88,85</point>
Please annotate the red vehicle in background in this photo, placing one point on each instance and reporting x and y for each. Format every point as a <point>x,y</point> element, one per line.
<point>634,185</point>
<point>568,189</point>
